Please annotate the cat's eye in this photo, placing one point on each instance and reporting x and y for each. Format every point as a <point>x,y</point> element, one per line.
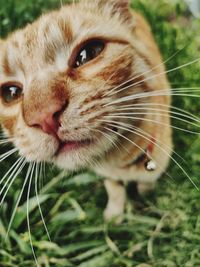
<point>11,93</point>
<point>88,52</point>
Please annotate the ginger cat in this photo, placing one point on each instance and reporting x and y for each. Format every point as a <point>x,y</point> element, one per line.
<point>85,87</point>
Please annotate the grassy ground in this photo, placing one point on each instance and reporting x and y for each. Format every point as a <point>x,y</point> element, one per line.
<point>161,229</point>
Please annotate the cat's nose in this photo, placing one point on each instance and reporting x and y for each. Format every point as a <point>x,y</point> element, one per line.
<point>48,120</point>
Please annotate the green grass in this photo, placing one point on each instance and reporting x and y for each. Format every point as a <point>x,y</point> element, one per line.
<point>161,229</point>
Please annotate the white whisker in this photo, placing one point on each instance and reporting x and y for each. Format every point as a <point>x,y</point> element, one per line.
<point>144,105</point>
<point>140,148</point>
<point>7,173</point>
<point>28,218</point>
<point>142,74</point>
<point>154,76</point>
<point>8,154</point>
<point>115,143</point>
<point>11,179</point>
<point>44,173</point>
<point>106,136</point>
<point>146,108</point>
<point>37,173</point>
<point>144,133</point>
<point>152,121</point>
<point>18,200</point>
<point>5,141</point>
<point>181,168</point>
<point>164,92</point>
<point>160,112</point>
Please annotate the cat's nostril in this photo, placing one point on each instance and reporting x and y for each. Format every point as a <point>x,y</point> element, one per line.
<point>36,126</point>
<point>57,114</point>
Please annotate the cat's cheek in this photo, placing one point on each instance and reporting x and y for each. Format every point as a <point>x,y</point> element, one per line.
<point>35,146</point>
<point>9,116</point>
<point>34,150</point>
<point>9,126</point>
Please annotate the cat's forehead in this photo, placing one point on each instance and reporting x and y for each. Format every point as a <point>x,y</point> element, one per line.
<point>52,38</point>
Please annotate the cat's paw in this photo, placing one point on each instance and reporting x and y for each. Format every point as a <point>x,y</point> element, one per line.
<point>113,214</point>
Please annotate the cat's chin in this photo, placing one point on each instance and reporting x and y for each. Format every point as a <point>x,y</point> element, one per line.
<point>74,156</point>
<point>73,159</point>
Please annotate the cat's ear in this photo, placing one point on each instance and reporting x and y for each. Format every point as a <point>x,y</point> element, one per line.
<point>120,7</point>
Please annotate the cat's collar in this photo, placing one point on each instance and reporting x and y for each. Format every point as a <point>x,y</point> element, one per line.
<point>145,158</point>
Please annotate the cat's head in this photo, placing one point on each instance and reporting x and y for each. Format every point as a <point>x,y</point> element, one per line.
<point>55,76</point>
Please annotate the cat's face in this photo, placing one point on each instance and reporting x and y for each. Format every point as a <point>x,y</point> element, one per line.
<point>54,79</point>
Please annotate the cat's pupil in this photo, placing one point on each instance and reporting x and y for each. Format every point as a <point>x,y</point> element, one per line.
<point>10,93</point>
<point>88,53</point>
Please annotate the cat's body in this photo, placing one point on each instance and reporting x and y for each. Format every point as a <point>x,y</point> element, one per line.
<point>68,83</point>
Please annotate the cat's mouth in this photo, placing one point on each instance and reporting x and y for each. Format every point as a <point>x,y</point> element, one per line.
<point>69,146</point>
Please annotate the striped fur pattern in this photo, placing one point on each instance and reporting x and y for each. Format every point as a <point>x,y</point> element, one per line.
<point>39,57</point>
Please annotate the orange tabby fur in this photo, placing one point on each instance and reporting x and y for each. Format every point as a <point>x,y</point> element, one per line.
<point>39,58</point>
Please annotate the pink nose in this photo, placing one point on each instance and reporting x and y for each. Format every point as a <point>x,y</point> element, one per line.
<point>48,119</point>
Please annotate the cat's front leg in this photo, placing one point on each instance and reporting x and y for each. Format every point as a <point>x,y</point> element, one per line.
<point>116,199</point>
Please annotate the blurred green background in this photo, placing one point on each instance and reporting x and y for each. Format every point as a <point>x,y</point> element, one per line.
<point>160,229</point>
